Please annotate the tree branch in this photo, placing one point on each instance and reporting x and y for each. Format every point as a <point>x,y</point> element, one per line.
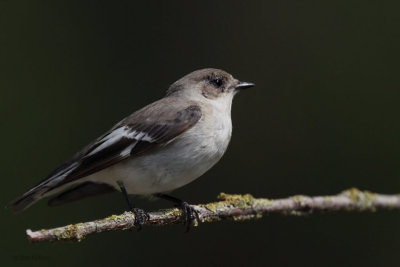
<point>235,207</point>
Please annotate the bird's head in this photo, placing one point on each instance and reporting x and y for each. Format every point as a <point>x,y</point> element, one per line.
<point>211,84</point>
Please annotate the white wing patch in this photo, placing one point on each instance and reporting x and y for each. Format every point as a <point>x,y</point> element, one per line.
<point>117,134</point>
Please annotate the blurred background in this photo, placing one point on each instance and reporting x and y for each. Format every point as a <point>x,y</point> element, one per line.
<point>323,117</point>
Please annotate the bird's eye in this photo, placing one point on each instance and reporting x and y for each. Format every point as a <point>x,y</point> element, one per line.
<point>217,82</point>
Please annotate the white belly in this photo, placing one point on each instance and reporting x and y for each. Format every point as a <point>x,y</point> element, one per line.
<point>174,165</point>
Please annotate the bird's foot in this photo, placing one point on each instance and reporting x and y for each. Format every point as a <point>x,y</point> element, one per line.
<point>190,214</point>
<point>140,217</point>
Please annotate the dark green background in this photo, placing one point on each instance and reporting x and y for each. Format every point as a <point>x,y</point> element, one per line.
<point>324,117</point>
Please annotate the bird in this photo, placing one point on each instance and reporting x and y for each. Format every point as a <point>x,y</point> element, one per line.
<point>155,150</point>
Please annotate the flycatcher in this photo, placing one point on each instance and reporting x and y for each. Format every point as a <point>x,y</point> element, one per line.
<point>157,149</point>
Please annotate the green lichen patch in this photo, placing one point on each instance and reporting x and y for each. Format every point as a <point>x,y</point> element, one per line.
<point>363,200</point>
<point>239,201</point>
<point>210,219</point>
<point>70,232</point>
<point>215,206</point>
<point>172,212</point>
<point>241,218</point>
<point>353,194</point>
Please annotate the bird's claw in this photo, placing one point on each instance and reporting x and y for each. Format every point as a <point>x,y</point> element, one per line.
<point>190,214</point>
<point>140,217</point>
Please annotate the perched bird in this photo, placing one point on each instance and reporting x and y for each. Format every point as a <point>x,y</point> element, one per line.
<point>157,149</point>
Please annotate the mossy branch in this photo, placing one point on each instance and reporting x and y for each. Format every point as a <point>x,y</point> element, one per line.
<point>234,207</point>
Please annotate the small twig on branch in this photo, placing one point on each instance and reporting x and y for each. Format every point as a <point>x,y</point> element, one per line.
<point>235,207</point>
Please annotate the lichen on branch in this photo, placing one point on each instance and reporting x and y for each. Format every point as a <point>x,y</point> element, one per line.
<point>229,207</point>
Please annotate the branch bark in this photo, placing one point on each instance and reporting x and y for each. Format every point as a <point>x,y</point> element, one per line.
<point>234,207</point>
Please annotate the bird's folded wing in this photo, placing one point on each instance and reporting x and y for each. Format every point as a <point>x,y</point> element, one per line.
<point>134,136</point>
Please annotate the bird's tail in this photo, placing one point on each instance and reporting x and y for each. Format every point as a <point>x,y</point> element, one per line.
<point>82,190</point>
<point>26,199</point>
<point>46,187</point>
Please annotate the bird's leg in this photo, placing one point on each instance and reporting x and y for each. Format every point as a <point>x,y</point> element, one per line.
<point>189,213</point>
<point>140,215</point>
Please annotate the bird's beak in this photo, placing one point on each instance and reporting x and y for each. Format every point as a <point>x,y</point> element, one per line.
<point>244,85</point>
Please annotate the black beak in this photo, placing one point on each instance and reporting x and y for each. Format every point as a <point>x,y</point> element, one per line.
<point>244,85</point>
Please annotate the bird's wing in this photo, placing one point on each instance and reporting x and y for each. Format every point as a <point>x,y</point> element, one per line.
<point>132,137</point>
<point>146,129</point>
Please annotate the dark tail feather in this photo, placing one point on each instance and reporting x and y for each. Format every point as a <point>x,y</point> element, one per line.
<point>24,201</point>
<point>43,188</point>
<point>84,190</point>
